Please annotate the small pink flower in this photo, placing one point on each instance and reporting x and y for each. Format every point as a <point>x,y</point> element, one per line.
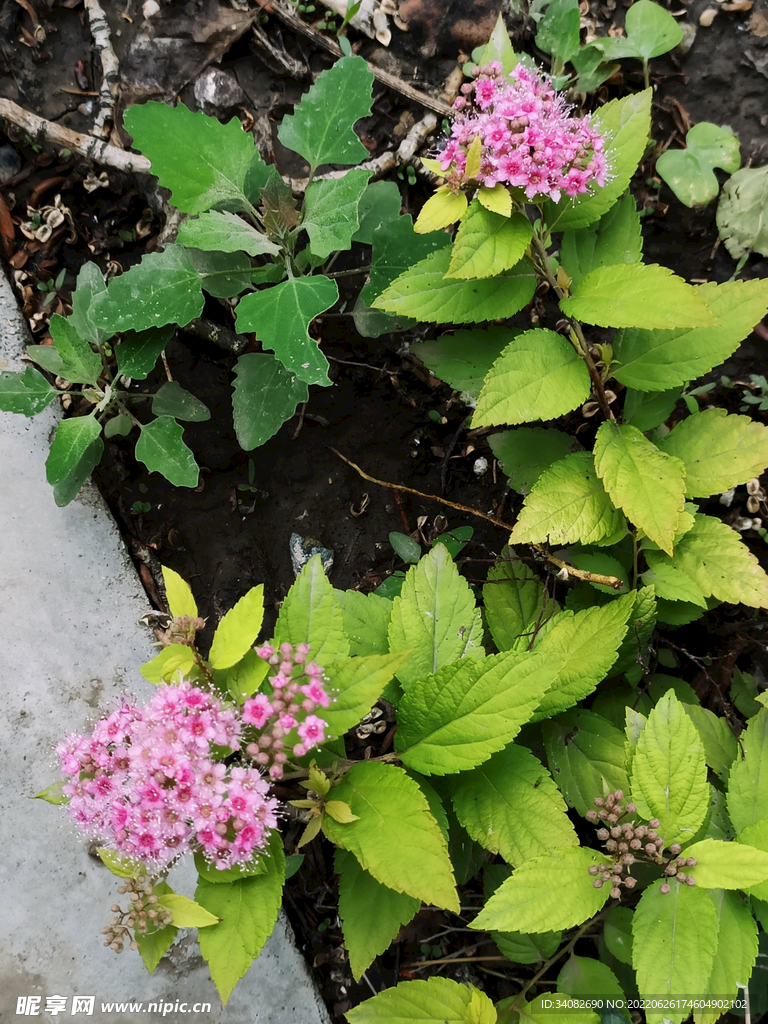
<point>312,730</point>
<point>257,710</point>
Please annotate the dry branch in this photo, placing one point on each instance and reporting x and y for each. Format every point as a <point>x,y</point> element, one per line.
<point>110,82</point>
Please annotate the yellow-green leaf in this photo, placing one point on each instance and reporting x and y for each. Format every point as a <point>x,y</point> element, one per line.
<point>488,243</point>
<point>472,168</point>
<point>238,630</point>
<point>496,199</point>
<point>440,210</point>
<point>172,659</point>
<point>341,811</point>
<point>177,590</point>
<point>187,913</point>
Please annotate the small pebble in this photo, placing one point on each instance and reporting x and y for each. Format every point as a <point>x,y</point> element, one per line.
<point>707,17</point>
<point>10,163</point>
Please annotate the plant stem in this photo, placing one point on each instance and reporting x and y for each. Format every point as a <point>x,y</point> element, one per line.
<point>553,960</point>
<point>347,273</point>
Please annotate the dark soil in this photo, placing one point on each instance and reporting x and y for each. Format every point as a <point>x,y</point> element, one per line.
<point>233,531</point>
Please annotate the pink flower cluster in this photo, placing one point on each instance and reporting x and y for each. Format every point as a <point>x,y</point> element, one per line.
<point>529,140</point>
<point>144,782</point>
<point>285,717</point>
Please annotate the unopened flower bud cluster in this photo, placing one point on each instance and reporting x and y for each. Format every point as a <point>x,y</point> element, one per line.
<point>285,717</point>
<point>628,842</point>
<point>144,915</point>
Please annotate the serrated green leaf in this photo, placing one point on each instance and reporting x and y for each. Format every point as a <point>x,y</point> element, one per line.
<point>366,617</point>
<point>340,811</point>
<point>162,450</point>
<point>674,939</point>
<point>585,754</point>
<point>742,213</point>
<point>538,898</point>
<point>625,125</point>
<point>247,911</point>
<point>719,562</point>
<point>179,594</point>
<point>250,869</point>
<point>330,212</point>
<point>222,274</point>
<point>515,600</point>
<point>617,296</point>
<point>669,773</point>
<point>748,780</point>
<point>396,839</point>
<point>164,666</point>
<point>658,360</point>
<point>454,720</point>
<point>646,483</point>
<point>371,914</point>
<point>499,48</point>
<point>281,315</point>
<point>496,199</point>
<point>356,685</point>
<point>90,283</point>
<point>237,631</point>
<point>650,31</point>
<point>434,617</point>
<point>719,451</point>
<point>396,247</point>
<point>443,208</point>
<point>462,359</point>
<point>586,978</point>
<point>187,913</point>
<point>266,395</point>
<point>204,163</point>
<point>488,243</point>
<point>154,945</point>
<point>583,647</point>
<point>538,376</point>
<point>218,231</point>
<point>647,410</point>
<point>434,1001</point>
<point>735,955</point>
<point>311,615</point>
<point>138,351</point>
<point>595,561</point>
<point>245,677</point>
<point>568,503</point>
<point>165,288</point>
<point>720,746</point>
<point>615,238</point>
<point>511,806</point>
<point>538,1011</point>
<point>320,128</point>
<point>172,400</point>
<point>27,393</point>
<point>424,292</point>
<point>690,172</point>
<point>80,364</point>
<point>617,932</point>
<point>527,949</point>
<point>721,865</point>
<point>526,452</point>
<point>674,585</point>
<point>379,206</point>
<point>72,440</point>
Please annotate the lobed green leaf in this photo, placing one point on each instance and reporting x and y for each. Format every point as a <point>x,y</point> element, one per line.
<point>162,450</point>
<point>27,393</point>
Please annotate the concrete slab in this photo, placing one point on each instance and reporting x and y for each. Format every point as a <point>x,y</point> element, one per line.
<point>69,604</point>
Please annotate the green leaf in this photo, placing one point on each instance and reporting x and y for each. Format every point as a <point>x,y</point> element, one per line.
<point>172,400</point>
<point>721,865</point>
<point>674,939</point>
<point>210,873</point>
<point>527,949</point>
<point>673,585</point>
<point>311,615</point>
<point>585,978</point>
<point>591,70</point>
<point>80,364</point>
<point>586,757</point>
<point>650,31</point>
<point>179,594</point>
<point>659,360</point>
<point>265,396</point>
<point>203,162</point>
<point>582,647</point>
<point>617,932</point>
<point>27,393</point>
<point>515,600</point>
<point>53,794</point>
<point>356,685</point>
<point>690,172</point>
<point>187,913</point>
<point>511,806</point>
<point>617,296</point>
<point>435,617</point>
<point>90,283</point>
<point>237,631</point>
<point>742,213</point>
<point>330,212</point>
<point>720,746</point>
<point>445,207</point>
<point>434,1001</point>
<point>217,231</point>
<point>615,238</point>
<point>488,243</point>
<point>320,129</point>
<point>424,292</point>
<point>164,666</point>
<point>647,410</point>
<point>396,247</point>
<point>648,484</point>
<point>625,125</point>
<point>719,451</point>
<point>366,617</point>
<point>165,288</point>
<point>245,677</point>
<point>558,30</point>
<point>455,719</point>
<point>464,358</point>
<point>538,1011</point>
<point>72,440</point>
<point>138,351</point>
<point>735,955</point>
<point>247,911</point>
<point>669,774</point>
<point>596,561</point>
<point>396,839</point>
<point>371,914</point>
<point>499,48</point>
<point>642,621</point>
<point>162,450</point>
<point>281,315</point>
<point>379,206</point>
<point>222,274</point>
<point>748,780</point>
<point>568,503</point>
<point>526,452</point>
<point>538,376</point>
<point>719,562</point>
<point>154,945</point>
<point>554,891</point>
<point>47,357</point>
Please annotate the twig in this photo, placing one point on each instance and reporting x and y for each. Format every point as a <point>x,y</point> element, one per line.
<point>92,148</point>
<point>110,82</point>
